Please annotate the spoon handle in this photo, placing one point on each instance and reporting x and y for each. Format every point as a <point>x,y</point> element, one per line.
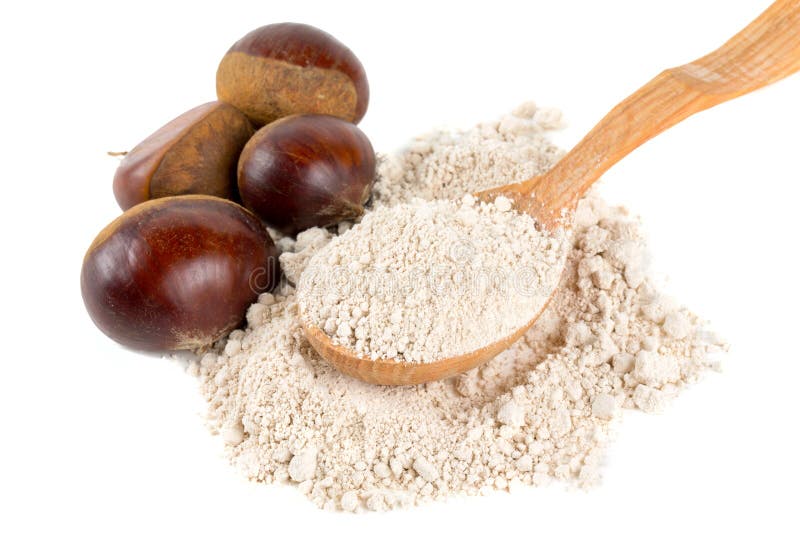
<point>767,50</point>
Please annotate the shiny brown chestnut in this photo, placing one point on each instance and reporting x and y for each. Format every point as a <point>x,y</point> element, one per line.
<point>288,68</point>
<point>196,153</point>
<point>177,273</point>
<point>306,170</point>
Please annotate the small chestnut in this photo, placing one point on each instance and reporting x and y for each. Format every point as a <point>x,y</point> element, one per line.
<point>306,170</point>
<point>285,69</point>
<point>177,273</point>
<point>195,153</point>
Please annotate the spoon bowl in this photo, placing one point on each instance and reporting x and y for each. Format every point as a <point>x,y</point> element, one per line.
<point>396,373</point>
<point>765,51</point>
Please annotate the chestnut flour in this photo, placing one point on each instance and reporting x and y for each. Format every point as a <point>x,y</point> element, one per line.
<point>430,280</point>
<point>538,412</point>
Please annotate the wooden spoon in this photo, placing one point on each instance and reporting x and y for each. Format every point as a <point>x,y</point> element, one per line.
<point>767,50</point>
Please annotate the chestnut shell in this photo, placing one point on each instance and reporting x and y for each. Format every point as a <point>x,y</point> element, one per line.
<point>288,68</point>
<point>195,153</point>
<point>307,170</point>
<point>177,273</point>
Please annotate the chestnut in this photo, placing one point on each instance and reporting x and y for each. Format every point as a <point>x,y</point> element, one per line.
<point>177,272</point>
<point>195,153</point>
<point>306,170</point>
<point>286,69</point>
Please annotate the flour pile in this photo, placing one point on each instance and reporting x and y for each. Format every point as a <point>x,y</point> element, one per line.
<point>540,411</point>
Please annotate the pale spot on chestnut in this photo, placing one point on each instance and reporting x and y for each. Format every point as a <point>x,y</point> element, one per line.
<point>288,68</point>
<point>195,153</point>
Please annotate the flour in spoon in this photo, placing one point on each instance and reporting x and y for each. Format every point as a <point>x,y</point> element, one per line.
<point>429,280</point>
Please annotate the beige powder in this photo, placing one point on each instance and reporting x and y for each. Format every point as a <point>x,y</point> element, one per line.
<point>450,164</point>
<point>429,280</point>
<point>539,411</point>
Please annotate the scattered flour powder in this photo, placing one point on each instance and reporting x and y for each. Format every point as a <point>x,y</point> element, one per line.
<point>424,281</point>
<point>540,411</point>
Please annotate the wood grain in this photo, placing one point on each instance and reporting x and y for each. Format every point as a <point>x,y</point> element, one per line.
<point>767,50</point>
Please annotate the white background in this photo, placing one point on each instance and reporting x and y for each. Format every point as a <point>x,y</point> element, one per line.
<point>99,439</point>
